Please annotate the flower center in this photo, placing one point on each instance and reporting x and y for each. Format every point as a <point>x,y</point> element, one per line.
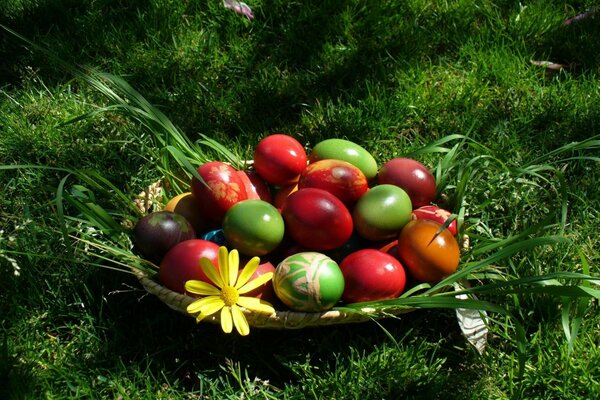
<point>229,295</point>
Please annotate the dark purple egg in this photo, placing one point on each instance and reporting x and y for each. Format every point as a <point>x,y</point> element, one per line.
<point>156,233</point>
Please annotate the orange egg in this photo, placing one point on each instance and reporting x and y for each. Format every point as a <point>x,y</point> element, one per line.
<point>186,206</point>
<point>427,255</point>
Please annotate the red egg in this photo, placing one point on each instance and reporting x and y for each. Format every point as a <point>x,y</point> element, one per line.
<point>264,291</point>
<point>434,213</point>
<point>283,193</point>
<point>259,186</point>
<point>182,263</point>
<point>371,275</point>
<point>279,159</point>
<point>222,189</point>
<point>185,205</point>
<point>412,176</point>
<point>340,178</point>
<point>317,219</point>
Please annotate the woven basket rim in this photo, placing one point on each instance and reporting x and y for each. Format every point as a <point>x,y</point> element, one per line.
<point>280,319</point>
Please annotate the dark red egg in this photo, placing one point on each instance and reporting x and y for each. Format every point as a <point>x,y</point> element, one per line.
<point>182,263</point>
<point>283,193</point>
<point>412,176</point>
<point>317,219</point>
<point>222,188</point>
<point>371,275</point>
<point>279,159</point>
<point>259,186</point>
<point>340,178</point>
<point>434,213</point>
<point>157,232</point>
<point>185,205</point>
<point>265,291</point>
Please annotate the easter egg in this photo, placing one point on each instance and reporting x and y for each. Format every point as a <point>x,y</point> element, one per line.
<point>370,275</point>
<point>381,213</point>
<point>412,176</point>
<point>222,188</point>
<point>253,227</point>
<point>282,193</point>
<point>184,204</point>
<point>309,282</point>
<point>316,219</point>
<point>340,178</point>
<point>434,213</point>
<point>256,187</point>
<point>157,232</point>
<point>264,291</point>
<point>182,263</point>
<point>216,236</point>
<point>428,254</point>
<point>345,150</point>
<point>390,248</point>
<point>279,159</point>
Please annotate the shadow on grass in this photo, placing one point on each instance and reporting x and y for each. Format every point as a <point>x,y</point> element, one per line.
<point>141,330</point>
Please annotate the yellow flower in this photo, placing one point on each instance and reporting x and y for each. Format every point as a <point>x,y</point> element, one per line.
<point>226,295</point>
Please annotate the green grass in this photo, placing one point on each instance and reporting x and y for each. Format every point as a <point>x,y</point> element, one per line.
<point>392,76</point>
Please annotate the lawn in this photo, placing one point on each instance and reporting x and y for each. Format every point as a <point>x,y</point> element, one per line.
<point>510,90</point>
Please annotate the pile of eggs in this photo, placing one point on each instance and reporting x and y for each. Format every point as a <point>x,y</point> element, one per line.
<point>330,225</point>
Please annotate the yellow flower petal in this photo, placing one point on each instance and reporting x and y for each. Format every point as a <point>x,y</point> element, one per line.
<point>224,265</point>
<point>226,320</point>
<point>239,320</point>
<point>201,288</point>
<point>255,304</point>
<point>254,283</point>
<point>211,272</point>
<point>234,266</point>
<point>205,304</point>
<point>247,272</point>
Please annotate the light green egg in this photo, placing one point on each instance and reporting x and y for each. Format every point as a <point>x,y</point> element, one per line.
<point>345,150</point>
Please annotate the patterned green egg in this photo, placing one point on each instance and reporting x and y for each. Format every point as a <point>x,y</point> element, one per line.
<point>309,282</point>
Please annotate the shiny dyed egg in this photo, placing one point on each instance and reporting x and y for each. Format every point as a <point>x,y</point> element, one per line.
<point>381,213</point>
<point>316,219</point>
<point>279,159</point>
<point>371,275</point>
<point>340,178</point>
<point>182,263</point>
<point>216,236</point>
<point>253,227</point>
<point>428,253</point>
<point>434,213</point>
<point>156,233</point>
<point>309,282</point>
<point>222,188</point>
<point>412,176</point>
<point>185,205</point>
<point>345,150</point>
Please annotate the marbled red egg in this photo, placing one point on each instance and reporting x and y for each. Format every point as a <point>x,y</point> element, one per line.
<point>222,188</point>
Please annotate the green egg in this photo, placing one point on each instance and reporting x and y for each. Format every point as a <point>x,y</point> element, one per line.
<point>308,281</point>
<point>253,227</point>
<point>345,150</point>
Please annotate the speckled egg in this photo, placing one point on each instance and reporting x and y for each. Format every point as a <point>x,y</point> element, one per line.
<point>309,282</point>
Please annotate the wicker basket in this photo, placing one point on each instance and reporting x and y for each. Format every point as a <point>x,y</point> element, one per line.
<point>277,320</point>
<point>149,200</point>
